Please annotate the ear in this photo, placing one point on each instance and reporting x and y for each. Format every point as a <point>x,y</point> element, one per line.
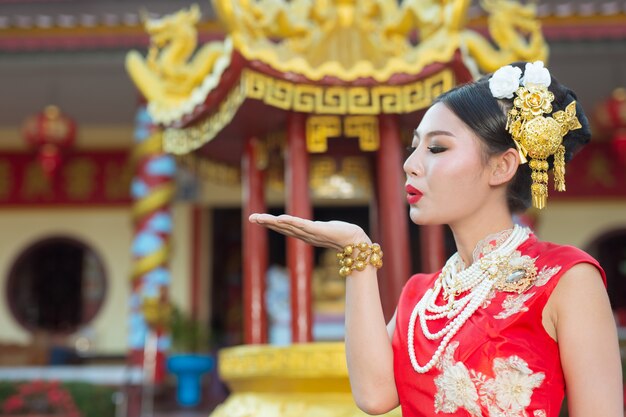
<point>504,167</point>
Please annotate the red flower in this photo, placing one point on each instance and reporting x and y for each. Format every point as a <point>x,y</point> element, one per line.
<point>12,404</point>
<point>41,397</point>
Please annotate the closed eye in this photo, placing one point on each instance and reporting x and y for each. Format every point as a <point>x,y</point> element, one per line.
<point>437,149</point>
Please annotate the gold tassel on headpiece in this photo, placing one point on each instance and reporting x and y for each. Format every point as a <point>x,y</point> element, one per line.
<point>536,136</point>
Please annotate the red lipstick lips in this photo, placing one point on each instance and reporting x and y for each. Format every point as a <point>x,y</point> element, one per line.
<point>413,194</point>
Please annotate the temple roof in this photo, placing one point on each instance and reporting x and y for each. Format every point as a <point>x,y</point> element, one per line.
<point>331,57</point>
<point>87,25</point>
<point>325,56</point>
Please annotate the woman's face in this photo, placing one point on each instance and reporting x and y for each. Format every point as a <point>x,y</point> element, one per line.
<point>447,179</point>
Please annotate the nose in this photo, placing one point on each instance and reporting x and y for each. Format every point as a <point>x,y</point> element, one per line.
<point>412,165</point>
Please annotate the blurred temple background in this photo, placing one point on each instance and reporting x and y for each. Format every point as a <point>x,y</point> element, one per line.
<point>125,178</point>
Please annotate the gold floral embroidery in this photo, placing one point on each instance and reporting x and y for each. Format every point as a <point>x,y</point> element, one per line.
<point>507,394</point>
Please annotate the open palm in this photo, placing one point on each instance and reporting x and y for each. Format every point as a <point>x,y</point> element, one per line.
<point>333,234</point>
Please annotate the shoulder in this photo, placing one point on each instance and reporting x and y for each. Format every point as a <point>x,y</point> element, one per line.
<point>567,252</point>
<point>575,292</point>
<point>581,286</point>
<point>581,281</point>
<point>580,306</point>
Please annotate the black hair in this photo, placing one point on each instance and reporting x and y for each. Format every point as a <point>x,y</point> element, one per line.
<point>474,104</point>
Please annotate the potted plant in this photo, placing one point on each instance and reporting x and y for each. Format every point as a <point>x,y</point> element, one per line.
<point>189,359</point>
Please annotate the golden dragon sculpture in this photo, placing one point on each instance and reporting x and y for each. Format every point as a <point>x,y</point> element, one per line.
<point>171,71</point>
<point>344,39</point>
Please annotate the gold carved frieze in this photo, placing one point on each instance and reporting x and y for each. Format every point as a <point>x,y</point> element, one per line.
<point>316,100</point>
<point>343,39</point>
<point>365,128</point>
<point>320,128</point>
<point>180,141</point>
<point>210,170</point>
<point>341,100</point>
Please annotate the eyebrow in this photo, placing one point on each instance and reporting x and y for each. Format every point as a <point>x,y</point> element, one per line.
<point>435,133</point>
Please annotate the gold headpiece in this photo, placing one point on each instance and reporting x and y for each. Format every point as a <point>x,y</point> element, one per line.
<point>536,136</point>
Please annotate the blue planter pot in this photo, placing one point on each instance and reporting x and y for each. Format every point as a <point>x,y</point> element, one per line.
<point>189,369</point>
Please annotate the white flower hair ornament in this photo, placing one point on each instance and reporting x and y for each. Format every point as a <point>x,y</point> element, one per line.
<point>536,74</point>
<point>505,81</point>
<point>536,136</point>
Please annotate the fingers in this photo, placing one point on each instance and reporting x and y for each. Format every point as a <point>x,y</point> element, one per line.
<point>284,229</point>
<point>296,227</point>
<point>260,217</point>
<point>267,219</point>
<point>324,234</point>
<point>285,224</point>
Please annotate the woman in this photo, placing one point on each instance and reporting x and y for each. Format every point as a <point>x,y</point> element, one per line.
<point>510,323</point>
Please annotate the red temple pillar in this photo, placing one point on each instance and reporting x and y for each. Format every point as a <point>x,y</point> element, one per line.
<point>299,254</point>
<point>433,248</point>
<point>255,247</point>
<point>392,213</point>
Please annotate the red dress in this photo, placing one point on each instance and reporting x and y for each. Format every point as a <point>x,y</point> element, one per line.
<point>501,362</point>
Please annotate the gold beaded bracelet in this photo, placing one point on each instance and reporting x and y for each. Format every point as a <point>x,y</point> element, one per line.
<point>367,255</point>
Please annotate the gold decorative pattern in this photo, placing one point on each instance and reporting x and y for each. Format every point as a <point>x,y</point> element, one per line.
<point>319,129</point>
<point>352,176</point>
<point>312,99</point>
<point>210,170</point>
<point>182,141</point>
<point>539,137</point>
<point>366,129</point>
<point>346,39</point>
<point>339,100</point>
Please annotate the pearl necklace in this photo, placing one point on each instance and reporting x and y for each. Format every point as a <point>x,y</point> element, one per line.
<point>476,281</point>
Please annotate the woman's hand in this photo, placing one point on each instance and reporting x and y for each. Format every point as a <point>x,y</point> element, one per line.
<point>334,234</point>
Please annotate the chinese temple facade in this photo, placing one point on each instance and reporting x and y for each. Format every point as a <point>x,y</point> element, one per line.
<point>173,124</point>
